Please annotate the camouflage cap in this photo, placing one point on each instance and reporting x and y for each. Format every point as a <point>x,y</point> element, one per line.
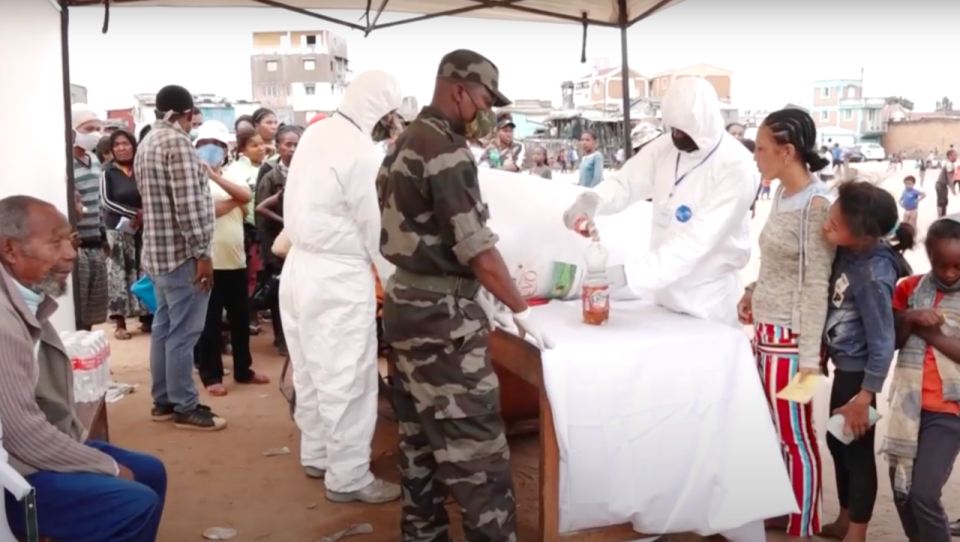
<point>467,65</point>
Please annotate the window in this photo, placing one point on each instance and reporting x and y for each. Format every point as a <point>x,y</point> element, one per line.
<point>824,116</point>
<point>851,92</point>
<point>271,65</point>
<point>311,41</point>
<point>872,114</point>
<point>309,65</point>
<point>824,92</point>
<point>310,89</point>
<point>270,90</point>
<point>847,114</point>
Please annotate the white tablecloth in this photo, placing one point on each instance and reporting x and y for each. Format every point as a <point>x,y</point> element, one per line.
<point>662,423</point>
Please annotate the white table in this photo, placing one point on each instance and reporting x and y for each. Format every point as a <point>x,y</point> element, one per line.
<point>660,423</point>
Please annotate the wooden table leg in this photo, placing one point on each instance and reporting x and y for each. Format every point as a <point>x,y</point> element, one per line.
<point>549,473</point>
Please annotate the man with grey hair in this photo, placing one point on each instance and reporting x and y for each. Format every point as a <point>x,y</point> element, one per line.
<point>84,490</point>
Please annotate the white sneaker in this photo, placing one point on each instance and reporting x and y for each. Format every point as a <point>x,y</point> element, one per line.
<point>377,492</point>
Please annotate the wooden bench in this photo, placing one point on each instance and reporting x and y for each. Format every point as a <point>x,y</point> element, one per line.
<point>521,359</point>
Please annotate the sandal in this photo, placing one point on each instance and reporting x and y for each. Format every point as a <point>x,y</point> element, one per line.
<point>257,378</point>
<point>217,390</point>
<point>121,334</point>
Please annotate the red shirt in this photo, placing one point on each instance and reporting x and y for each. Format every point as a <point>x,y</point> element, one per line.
<point>932,397</point>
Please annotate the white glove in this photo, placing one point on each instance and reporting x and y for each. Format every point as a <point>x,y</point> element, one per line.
<point>579,217</point>
<point>528,324</point>
<point>497,314</point>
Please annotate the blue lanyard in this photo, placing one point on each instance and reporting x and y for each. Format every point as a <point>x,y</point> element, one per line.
<point>679,178</point>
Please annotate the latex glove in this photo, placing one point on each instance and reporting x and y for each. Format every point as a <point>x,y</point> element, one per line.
<point>579,217</point>
<point>615,276</point>
<point>497,314</point>
<point>528,324</point>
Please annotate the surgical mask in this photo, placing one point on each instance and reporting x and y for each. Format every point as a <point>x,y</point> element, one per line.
<point>87,141</point>
<point>193,135</point>
<point>482,125</point>
<point>683,142</point>
<point>31,298</point>
<point>211,154</point>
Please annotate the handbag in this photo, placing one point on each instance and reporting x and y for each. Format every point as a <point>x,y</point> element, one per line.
<point>146,293</point>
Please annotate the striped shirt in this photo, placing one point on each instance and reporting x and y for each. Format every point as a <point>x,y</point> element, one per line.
<point>177,206</point>
<point>86,179</point>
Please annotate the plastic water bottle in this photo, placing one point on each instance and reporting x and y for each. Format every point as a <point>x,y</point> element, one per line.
<point>596,288</point>
<point>89,353</point>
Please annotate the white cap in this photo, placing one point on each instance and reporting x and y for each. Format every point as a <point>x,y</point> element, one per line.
<point>214,129</point>
<point>82,114</point>
<point>644,133</point>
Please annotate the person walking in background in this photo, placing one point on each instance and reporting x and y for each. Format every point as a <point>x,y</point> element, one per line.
<point>787,305</point>
<point>230,199</point>
<point>922,165</point>
<point>92,256</point>
<point>944,184</point>
<point>859,339</point>
<point>177,236</point>
<point>910,200</point>
<point>591,168</point>
<point>562,160</point>
<point>837,154</point>
<point>123,217</point>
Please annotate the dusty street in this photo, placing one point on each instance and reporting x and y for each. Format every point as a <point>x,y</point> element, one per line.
<point>224,479</point>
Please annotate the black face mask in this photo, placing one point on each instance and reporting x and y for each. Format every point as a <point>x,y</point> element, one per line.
<point>683,143</point>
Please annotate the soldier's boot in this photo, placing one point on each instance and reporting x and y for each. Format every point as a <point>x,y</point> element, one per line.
<point>314,472</point>
<point>378,492</point>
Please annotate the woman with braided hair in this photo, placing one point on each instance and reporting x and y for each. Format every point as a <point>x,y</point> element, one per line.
<point>787,306</point>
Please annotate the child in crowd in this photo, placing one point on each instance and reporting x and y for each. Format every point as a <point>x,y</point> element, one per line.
<point>910,200</point>
<point>765,188</point>
<point>540,165</point>
<point>859,337</point>
<point>923,440</point>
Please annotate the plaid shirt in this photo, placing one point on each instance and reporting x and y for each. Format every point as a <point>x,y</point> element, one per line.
<point>177,207</point>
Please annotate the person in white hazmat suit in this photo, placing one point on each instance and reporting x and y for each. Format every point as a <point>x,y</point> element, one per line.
<point>327,290</point>
<point>702,182</point>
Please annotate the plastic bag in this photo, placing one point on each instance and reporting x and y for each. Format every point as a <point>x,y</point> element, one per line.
<point>145,292</point>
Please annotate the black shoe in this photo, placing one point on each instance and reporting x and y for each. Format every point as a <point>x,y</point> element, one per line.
<point>199,419</point>
<point>162,413</point>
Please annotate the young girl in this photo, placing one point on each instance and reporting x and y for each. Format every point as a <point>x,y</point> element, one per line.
<point>540,166</point>
<point>859,338</point>
<point>591,167</point>
<point>923,440</point>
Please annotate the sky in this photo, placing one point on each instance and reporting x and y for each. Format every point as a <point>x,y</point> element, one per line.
<point>776,48</point>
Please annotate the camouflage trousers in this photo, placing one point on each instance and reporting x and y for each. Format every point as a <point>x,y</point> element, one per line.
<point>452,437</point>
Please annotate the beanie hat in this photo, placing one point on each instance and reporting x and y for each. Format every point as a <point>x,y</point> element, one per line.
<point>174,99</point>
<point>81,114</point>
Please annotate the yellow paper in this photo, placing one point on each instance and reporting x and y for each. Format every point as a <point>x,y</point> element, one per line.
<point>801,388</point>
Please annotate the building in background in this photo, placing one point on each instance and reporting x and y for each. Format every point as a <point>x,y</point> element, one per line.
<point>602,88</point>
<point>719,78</point>
<point>839,107</point>
<point>298,74</point>
<point>78,94</point>
<point>529,116</point>
<point>211,106</point>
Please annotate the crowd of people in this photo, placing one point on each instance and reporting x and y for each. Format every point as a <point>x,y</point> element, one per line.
<point>225,233</point>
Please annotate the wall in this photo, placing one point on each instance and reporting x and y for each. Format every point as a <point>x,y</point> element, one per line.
<point>39,170</point>
<point>921,136</point>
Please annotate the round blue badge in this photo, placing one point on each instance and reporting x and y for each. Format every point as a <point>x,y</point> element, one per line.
<point>684,213</point>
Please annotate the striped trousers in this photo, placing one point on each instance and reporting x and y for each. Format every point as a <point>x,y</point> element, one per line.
<point>776,349</point>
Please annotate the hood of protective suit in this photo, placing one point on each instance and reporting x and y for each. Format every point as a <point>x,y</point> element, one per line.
<point>691,106</point>
<point>370,96</point>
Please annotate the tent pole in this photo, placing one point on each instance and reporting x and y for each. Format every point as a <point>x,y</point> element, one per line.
<point>68,144</point>
<point>625,78</point>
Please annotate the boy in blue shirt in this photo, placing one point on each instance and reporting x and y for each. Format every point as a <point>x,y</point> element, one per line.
<point>910,200</point>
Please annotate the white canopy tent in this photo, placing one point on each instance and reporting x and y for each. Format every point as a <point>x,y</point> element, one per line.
<point>607,13</point>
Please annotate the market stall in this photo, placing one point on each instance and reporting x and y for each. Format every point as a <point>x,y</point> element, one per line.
<point>653,423</point>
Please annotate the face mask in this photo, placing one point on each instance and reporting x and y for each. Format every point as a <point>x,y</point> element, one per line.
<point>87,142</point>
<point>211,154</point>
<point>683,142</point>
<point>30,297</point>
<point>482,125</point>
<point>193,135</point>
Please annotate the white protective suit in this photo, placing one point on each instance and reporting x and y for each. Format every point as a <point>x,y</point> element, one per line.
<point>700,236</point>
<point>327,288</point>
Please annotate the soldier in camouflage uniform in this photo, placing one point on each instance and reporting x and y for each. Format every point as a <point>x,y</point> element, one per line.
<point>503,152</point>
<point>446,393</point>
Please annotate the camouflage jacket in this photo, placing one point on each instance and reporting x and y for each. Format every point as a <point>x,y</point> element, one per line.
<point>511,155</point>
<point>433,218</point>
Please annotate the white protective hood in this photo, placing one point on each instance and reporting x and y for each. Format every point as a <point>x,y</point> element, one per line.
<point>700,237</point>
<point>330,199</point>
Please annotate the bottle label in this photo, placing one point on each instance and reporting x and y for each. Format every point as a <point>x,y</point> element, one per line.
<point>596,298</point>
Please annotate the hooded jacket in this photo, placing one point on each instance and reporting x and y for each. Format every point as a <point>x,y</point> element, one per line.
<point>859,332</point>
<point>700,237</point>
<point>330,197</point>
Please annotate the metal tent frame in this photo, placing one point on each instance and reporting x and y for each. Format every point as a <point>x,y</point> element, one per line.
<point>621,14</point>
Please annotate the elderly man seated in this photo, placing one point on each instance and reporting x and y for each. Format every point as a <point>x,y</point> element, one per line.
<point>85,491</point>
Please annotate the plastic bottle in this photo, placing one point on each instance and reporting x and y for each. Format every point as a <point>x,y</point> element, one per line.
<point>89,353</point>
<point>494,157</point>
<point>596,289</point>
